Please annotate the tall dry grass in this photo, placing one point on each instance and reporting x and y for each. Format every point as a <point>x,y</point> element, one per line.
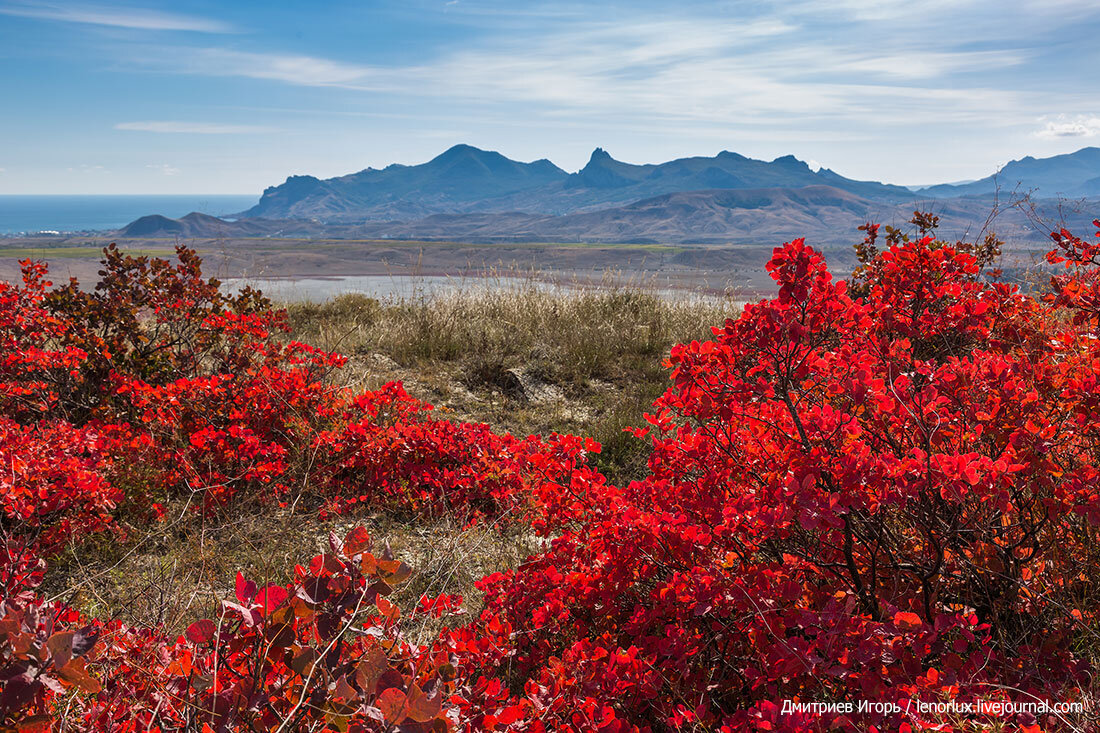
<point>602,347</point>
<point>574,333</point>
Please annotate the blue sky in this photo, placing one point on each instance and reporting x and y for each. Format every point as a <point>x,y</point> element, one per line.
<point>230,97</point>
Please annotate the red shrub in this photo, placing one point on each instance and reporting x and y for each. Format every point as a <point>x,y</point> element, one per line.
<point>32,362</point>
<point>51,485</point>
<point>324,652</point>
<point>882,492</point>
<point>877,498</point>
<point>391,452</point>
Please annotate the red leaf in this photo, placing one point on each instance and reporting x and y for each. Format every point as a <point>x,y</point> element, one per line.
<point>202,632</point>
<point>421,707</point>
<point>392,704</point>
<point>75,674</point>
<point>357,541</point>
<point>907,621</point>
<point>61,647</point>
<point>272,597</point>
<point>246,589</point>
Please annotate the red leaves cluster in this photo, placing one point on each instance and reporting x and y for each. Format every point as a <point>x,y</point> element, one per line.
<point>52,488</point>
<point>884,492</point>
<point>1079,287</point>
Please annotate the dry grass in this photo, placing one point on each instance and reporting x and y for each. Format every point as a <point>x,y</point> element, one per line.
<point>520,356</point>
<point>178,572</point>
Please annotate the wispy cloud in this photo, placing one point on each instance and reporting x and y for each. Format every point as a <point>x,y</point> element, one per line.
<point>922,64</point>
<point>857,84</point>
<point>753,71</point>
<point>116,16</point>
<point>291,69</point>
<point>193,128</point>
<point>1062,127</point>
<point>164,168</point>
<point>875,10</point>
<point>1017,16</point>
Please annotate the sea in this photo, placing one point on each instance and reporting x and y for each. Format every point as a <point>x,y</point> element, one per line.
<point>28,214</point>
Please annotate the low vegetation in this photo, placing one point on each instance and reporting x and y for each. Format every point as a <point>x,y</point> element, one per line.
<point>880,489</point>
<point>521,356</point>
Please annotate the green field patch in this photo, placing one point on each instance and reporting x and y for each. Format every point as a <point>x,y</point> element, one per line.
<point>72,253</point>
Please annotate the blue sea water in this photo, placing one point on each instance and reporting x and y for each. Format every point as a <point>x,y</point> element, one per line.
<point>95,213</point>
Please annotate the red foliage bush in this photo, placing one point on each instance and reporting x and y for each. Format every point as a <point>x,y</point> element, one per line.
<point>325,650</point>
<point>882,498</point>
<point>883,490</point>
<point>32,359</point>
<point>155,385</point>
<point>51,486</point>
<point>397,456</point>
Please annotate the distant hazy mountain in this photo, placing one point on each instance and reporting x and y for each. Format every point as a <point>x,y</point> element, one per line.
<point>748,215</point>
<point>759,214</point>
<point>724,171</point>
<point>194,225</point>
<point>1071,175</point>
<point>465,179</point>
<point>458,179</point>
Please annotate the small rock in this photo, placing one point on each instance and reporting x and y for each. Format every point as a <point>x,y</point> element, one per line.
<point>534,390</point>
<point>381,361</point>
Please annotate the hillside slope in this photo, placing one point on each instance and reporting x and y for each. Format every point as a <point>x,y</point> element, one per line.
<point>1073,175</point>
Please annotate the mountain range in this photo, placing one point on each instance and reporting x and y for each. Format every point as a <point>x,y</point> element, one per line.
<point>481,195</point>
<point>465,179</point>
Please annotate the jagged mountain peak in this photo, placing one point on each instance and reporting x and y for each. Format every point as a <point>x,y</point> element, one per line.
<point>790,161</point>
<point>599,154</point>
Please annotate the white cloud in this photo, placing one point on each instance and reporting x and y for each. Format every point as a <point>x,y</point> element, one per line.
<point>876,10</point>
<point>119,17</point>
<point>1020,18</point>
<point>714,70</point>
<point>1062,126</point>
<point>164,168</point>
<point>291,69</point>
<point>927,64</point>
<point>193,128</point>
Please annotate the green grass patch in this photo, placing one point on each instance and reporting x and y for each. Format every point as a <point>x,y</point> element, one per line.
<point>75,253</point>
